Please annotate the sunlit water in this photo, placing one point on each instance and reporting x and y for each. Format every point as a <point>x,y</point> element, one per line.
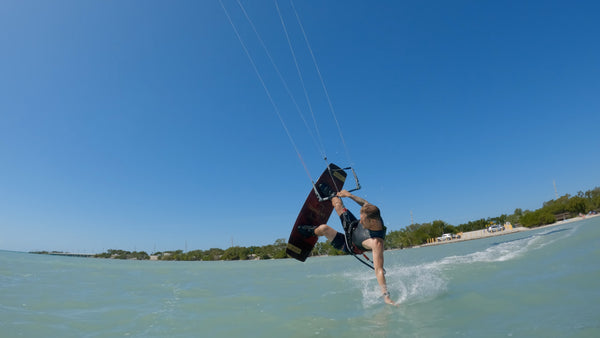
<point>540,283</point>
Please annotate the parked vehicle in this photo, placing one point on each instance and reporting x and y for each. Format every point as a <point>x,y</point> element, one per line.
<point>444,237</point>
<point>495,227</point>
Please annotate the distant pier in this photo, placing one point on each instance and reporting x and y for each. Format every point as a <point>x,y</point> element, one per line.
<point>68,254</point>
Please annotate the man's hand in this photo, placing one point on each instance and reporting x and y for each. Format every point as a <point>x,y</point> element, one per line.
<point>344,193</point>
<point>358,200</point>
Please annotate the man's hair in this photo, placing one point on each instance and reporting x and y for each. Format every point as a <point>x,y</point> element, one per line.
<point>372,212</point>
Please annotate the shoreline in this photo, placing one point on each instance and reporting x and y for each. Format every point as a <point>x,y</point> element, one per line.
<point>466,236</point>
<point>483,233</point>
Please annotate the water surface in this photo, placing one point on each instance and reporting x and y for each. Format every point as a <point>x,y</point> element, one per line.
<point>540,283</point>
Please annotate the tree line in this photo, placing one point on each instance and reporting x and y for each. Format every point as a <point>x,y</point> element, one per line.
<point>413,235</point>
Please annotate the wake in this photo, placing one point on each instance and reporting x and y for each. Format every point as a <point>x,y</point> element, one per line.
<point>423,282</point>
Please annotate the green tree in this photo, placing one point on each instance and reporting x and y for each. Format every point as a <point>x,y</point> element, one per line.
<point>438,225</point>
<point>577,205</point>
<point>396,240</point>
<point>537,218</point>
<point>236,253</point>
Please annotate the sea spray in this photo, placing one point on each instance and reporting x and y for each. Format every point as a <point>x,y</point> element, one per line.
<point>413,284</point>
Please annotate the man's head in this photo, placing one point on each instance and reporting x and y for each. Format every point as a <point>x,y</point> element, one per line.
<point>370,216</point>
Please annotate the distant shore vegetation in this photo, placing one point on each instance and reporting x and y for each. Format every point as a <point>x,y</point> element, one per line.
<point>565,207</point>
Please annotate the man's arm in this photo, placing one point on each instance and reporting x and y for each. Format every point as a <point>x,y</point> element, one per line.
<point>358,200</point>
<point>377,247</point>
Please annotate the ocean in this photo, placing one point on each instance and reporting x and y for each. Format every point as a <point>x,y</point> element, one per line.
<point>538,283</point>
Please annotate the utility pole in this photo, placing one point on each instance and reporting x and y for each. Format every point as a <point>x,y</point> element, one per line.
<point>411,218</point>
<point>555,191</point>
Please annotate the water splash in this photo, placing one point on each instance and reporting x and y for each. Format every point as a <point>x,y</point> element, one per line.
<point>422,282</point>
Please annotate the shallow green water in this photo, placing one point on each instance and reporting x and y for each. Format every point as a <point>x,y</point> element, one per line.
<point>541,283</point>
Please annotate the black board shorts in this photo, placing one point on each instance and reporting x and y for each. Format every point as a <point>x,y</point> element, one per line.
<point>356,234</point>
<point>339,242</point>
<point>349,222</point>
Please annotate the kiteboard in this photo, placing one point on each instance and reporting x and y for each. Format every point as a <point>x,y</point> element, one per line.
<point>316,211</point>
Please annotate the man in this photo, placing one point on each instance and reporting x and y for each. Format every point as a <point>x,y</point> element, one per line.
<point>368,233</point>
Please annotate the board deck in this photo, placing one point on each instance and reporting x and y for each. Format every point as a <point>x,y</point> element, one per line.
<point>314,212</point>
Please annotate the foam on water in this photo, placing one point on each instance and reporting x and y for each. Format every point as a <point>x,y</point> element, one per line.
<point>419,283</point>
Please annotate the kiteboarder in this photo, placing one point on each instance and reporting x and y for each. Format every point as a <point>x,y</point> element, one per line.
<point>364,234</point>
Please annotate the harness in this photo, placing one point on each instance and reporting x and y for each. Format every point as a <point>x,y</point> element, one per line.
<point>355,250</point>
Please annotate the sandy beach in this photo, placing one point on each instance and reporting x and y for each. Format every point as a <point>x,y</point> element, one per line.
<point>483,233</point>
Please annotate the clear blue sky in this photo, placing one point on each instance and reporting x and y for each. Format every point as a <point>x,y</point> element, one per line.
<point>141,125</point>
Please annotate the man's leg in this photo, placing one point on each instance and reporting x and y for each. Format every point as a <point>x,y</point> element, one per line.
<point>326,230</point>
<point>338,240</point>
